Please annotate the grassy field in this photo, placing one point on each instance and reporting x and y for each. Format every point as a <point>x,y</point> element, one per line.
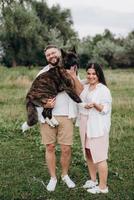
<point>23,172</point>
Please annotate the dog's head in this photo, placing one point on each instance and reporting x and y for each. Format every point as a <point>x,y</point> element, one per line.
<point>70,58</point>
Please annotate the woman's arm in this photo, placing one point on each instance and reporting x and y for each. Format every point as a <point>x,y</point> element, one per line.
<point>78,85</point>
<point>105,103</point>
<point>98,107</point>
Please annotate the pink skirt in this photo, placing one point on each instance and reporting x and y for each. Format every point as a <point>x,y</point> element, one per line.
<point>98,146</point>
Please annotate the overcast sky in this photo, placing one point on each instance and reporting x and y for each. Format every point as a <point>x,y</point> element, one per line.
<point>93,16</point>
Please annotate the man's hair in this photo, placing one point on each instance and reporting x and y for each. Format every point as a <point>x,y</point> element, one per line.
<point>50,46</point>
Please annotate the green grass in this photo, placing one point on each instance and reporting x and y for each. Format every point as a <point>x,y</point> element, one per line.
<point>23,172</point>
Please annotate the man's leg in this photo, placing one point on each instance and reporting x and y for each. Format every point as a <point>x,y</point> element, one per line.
<point>65,139</point>
<point>65,158</point>
<point>65,163</point>
<point>51,163</point>
<point>48,139</point>
<point>51,159</point>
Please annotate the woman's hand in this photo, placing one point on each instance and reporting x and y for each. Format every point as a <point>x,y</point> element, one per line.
<point>72,72</point>
<point>89,105</point>
<point>98,107</point>
<point>50,103</point>
<point>77,84</point>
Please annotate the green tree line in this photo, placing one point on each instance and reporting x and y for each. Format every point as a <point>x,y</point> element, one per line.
<point>27,26</point>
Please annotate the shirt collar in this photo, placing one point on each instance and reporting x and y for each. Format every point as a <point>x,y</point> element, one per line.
<point>98,85</point>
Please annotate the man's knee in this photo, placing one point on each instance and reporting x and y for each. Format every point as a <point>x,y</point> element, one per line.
<point>50,148</point>
<point>66,149</point>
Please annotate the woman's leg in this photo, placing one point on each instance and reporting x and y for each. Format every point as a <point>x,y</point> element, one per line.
<point>103,174</point>
<point>91,166</point>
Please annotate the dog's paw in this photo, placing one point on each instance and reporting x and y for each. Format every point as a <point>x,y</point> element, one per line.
<point>25,127</point>
<point>49,122</point>
<point>54,121</point>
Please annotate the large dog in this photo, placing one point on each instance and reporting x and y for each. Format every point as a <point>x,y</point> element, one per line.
<point>47,85</point>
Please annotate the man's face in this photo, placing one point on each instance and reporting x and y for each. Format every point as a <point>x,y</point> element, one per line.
<point>52,56</point>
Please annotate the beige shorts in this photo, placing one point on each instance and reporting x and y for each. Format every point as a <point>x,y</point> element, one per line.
<point>62,134</point>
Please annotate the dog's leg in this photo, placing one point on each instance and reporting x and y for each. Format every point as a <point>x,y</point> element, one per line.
<point>32,116</point>
<point>40,116</point>
<point>25,127</point>
<point>52,122</point>
<point>47,114</point>
<point>49,122</point>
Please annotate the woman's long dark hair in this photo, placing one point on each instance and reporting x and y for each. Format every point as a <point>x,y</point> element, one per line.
<point>98,70</point>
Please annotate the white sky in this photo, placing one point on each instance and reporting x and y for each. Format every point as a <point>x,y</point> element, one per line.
<point>93,16</point>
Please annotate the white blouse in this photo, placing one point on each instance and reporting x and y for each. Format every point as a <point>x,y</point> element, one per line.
<point>98,123</point>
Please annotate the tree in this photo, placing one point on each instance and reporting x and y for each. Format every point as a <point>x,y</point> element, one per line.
<point>108,35</point>
<point>19,29</point>
<point>26,27</point>
<point>129,47</point>
<point>57,19</point>
<point>120,58</point>
<point>85,50</point>
<point>104,52</point>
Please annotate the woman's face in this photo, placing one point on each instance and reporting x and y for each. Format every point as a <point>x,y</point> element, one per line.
<point>92,77</point>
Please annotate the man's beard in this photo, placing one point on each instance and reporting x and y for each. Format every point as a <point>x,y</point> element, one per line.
<point>55,63</point>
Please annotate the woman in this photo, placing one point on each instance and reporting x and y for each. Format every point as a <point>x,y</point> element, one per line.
<point>95,121</point>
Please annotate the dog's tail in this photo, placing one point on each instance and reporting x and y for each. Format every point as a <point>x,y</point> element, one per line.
<point>32,115</point>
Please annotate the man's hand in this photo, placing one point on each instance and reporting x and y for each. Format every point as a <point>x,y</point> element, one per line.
<point>50,103</point>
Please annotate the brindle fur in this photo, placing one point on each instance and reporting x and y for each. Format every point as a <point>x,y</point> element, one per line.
<point>48,84</point>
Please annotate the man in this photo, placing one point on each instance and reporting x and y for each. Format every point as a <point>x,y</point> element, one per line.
<point>64,111</point>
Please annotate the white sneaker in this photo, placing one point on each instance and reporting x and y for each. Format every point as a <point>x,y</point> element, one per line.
<point>96,190</point>
<point>52,184</point>
<point>90,184</point>
<point>66,179</point>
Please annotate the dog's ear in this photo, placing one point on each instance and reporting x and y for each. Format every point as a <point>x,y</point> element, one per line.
<point>63,53</point>
<point>73,49</point>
